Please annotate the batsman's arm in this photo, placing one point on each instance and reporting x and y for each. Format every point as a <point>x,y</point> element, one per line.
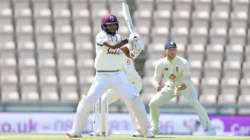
<point>117,45</point>
<point>131,38</point>
<point>103,40</point>
<point>126,51</point>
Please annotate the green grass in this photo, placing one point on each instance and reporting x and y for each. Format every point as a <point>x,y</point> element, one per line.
<point>115,137</point>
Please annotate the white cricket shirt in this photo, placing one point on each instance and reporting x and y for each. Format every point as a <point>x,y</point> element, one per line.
<point>179,67</point>
<point>108,59</point>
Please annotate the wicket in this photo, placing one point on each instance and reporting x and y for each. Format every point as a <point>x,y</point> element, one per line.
<point>100,125</point>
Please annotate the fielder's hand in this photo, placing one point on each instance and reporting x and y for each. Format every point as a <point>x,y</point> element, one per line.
<point>179,88</point>
<point>158,87</point>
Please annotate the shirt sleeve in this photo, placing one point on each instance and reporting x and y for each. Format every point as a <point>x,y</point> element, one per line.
<point>100,39</point>
<point>186,73</point>
<point>157,74</point>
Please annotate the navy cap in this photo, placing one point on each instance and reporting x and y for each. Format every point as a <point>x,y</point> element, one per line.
<point>170,44</point>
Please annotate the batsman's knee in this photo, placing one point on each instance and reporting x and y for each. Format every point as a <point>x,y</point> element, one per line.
<point>152,104</point>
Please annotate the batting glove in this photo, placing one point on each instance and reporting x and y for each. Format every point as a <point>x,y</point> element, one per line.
<point>133,37</point>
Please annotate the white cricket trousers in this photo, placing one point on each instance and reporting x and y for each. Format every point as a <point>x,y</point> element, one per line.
<point>120,84</point>
<point>111,96</point>
<point>117,81</point>
<point>166,94</point>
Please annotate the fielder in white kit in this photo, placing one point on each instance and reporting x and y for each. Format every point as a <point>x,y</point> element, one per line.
<point>109,75</point>
<point>173,78</point>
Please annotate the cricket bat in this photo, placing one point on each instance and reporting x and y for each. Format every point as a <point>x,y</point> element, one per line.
<point>126,14</point>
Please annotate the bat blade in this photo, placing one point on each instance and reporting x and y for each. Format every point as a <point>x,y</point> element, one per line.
<point>127,16</point>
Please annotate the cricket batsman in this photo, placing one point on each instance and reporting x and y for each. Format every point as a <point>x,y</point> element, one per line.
<point>109,75</point>
<point>172,78</point>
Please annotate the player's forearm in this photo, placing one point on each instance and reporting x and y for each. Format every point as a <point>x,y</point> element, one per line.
<point>116,46</point>
<point>157,85</point>
<point>126,51</point>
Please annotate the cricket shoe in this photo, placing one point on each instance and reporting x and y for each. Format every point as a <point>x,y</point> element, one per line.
<point>149,134</point>
<point>210,131</point>
<point>207,132</point>
<point>104,134</point>
<point>155,131</point>
<point>95,134</point>
<point>137,134</point>
<point>70,135</point>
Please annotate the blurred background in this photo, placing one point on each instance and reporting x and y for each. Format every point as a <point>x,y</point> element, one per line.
<point>47,52</point>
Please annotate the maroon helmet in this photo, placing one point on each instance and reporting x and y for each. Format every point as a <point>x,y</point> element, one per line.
<point>110,20</point>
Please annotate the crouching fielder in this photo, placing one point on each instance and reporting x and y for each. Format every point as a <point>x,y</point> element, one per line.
<point>172,78</point>
<point>110,96</point>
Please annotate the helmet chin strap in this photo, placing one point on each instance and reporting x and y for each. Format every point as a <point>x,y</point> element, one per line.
<point>110,33</point>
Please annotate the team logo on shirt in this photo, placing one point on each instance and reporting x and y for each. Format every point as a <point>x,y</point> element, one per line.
<point>177,69</point>
<point>166,69</point>
<point>113,51</point>
<point>172,77</point>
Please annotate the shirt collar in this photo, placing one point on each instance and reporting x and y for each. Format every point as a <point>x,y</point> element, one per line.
<point>172,61</point>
